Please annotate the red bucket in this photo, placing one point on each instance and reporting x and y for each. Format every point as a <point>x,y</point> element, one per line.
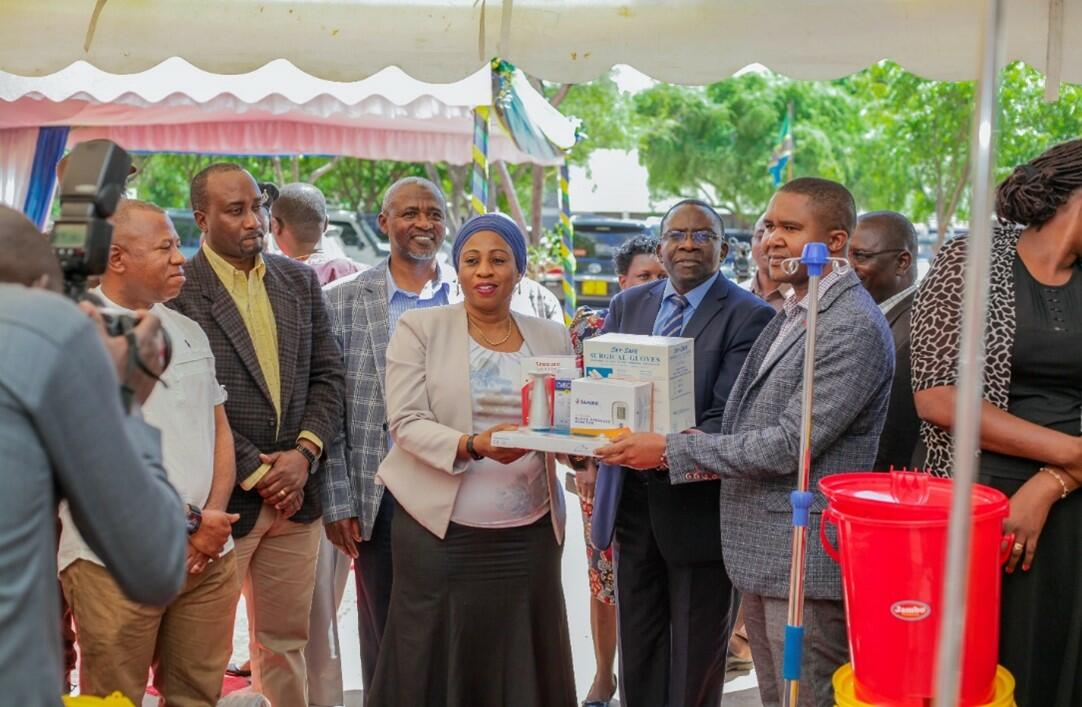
<point>892,548</point>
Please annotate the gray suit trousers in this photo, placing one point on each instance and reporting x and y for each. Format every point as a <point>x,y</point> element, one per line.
<point>826,647</point>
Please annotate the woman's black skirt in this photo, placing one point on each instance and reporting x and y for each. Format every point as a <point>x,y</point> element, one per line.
<point>476,620</point>
<point>1040,632</point>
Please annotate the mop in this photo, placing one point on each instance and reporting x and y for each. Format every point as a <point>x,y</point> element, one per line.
<point>814,258</point>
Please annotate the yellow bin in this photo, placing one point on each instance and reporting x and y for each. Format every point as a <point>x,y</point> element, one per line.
<point>845,692</point>
<point>114,700</point>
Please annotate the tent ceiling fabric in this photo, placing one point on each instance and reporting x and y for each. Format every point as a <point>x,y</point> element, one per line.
<point>681,41</point>
<point>277,109</point>
<point>277,78</point>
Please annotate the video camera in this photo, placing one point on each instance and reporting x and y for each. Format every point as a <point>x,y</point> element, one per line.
<point>91,186</point>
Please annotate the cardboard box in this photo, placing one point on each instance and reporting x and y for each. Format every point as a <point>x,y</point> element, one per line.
<point>565,369</point>
<point>610,407</point>
<point>555,442</point>
<point>667,362</point>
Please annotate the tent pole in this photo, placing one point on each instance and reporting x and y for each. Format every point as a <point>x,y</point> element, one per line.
<point>479,174</point>
<point>567,250</point>
<point>968,398</point>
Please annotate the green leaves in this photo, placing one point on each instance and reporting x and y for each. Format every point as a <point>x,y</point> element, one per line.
<point>897,140</point>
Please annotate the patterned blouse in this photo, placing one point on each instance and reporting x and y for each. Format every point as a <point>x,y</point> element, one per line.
<point>937,327</point>
<point>586,324</point>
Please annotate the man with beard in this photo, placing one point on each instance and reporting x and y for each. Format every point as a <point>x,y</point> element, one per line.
<point>364,309</point>
<point>264,316</point>
<point>674,599</point>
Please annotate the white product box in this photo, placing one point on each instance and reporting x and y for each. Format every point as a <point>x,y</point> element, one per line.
<point>610,407</point>
<point>564,369</point>
<point>667,362</point>
<point>556,442</point>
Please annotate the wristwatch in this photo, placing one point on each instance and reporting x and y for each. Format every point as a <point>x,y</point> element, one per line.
<point>307,454</point>
<point>195,519</point>
<point>471,451</point>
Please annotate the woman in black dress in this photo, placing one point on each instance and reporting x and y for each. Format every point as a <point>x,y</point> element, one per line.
<point>1031,423</point>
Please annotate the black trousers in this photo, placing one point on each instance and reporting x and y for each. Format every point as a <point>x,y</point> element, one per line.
<point>674,619</point>
<point>373,571</point>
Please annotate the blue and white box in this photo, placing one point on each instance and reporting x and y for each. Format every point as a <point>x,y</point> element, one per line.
<point>666,361</point>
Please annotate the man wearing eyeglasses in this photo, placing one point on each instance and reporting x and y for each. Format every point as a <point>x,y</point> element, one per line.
<point>882,253</point>
<point>673,592</point>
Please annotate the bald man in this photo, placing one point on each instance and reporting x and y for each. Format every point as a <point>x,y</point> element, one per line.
<point>187,642</point>
<point>298,222</point>
<point>883,253</point>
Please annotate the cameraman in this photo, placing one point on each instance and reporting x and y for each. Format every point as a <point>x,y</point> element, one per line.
<point>63,434</point>
<point>189,641</point>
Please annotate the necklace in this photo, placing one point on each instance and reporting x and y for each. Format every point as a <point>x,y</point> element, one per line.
<point>489,341</point>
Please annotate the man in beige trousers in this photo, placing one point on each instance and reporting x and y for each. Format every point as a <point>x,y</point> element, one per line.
<point>187,642</point>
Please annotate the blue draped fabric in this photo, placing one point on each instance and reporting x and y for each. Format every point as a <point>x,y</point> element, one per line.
<point>39,196</point>
<point>514,117</point>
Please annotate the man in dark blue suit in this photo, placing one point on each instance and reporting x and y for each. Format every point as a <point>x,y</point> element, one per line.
<point>673,593</point>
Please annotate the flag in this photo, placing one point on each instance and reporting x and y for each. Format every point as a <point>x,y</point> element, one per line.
<point>783,152</point>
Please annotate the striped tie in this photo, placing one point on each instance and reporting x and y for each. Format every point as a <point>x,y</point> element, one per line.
<point>675,323</point>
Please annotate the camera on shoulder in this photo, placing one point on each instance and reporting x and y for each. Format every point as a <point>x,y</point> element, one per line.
<point>90,189</point>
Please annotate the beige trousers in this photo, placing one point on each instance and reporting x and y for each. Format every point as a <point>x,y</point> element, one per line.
<point>187,643</point>
<point>276,566</point>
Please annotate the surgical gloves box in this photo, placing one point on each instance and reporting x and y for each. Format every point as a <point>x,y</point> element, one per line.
<point>609,407</point>
<point>667,362</point>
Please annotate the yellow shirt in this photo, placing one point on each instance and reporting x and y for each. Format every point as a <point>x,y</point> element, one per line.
<point>249,293</point>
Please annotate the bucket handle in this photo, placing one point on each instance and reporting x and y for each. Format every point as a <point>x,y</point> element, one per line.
<point>1006,544</point>
<point>829,516</point>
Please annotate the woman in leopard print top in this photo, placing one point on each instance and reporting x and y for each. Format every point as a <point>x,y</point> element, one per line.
<point>1031,426</point>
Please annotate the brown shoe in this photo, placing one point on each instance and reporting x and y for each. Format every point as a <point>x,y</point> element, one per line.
<point>739,658</point>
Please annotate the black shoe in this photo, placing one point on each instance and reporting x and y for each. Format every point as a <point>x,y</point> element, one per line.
<point>237,671</point>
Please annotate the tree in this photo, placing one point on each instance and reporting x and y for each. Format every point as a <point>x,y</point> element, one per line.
<point>351,183</point>
<point>896,140</point>
<point>915,155</point>
<point>1028,124</point>
<point>715,143</point>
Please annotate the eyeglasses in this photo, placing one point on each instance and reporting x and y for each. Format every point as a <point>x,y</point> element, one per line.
<point>863,256</point>
<point>697,237</point>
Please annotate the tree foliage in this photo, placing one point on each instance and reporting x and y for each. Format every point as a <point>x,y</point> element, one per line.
<point>714,143</point>
<point>898,141</point>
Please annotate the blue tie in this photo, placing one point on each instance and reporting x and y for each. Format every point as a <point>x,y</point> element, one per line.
<point>675,323</point>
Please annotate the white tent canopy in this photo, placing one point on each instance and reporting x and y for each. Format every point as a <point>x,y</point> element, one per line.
<point>680,41</point>
<point>276,109</point>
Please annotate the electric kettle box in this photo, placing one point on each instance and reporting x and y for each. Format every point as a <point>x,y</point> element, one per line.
<point>609,406</point>
<point>666,361</point>
<point>564,369</point>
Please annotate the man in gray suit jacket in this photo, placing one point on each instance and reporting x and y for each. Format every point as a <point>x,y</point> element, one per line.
<point>364,309</point>
<point>756,452</point>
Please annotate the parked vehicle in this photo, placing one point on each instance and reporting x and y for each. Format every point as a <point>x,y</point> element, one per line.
<point>365,242</point>
<point>358,241</point>
<point>190,235</point>
<point>596,240</point>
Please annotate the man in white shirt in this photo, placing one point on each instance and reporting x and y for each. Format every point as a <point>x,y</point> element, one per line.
<point>188,642</point>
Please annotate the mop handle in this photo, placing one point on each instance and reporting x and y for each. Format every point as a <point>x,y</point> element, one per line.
<point>814,258</point>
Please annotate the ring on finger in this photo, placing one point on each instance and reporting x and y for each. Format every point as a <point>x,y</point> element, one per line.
<point>1019,547</point>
